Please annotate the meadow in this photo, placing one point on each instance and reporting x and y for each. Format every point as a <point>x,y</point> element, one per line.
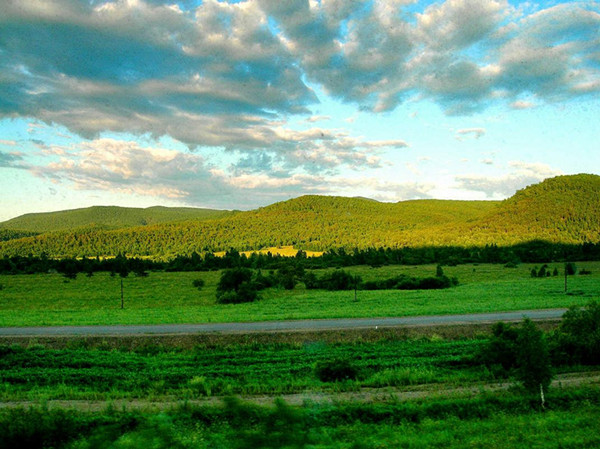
<point>161,297</point>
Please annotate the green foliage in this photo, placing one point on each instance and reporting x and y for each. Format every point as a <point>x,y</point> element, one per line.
<point>502,347</point>
<point>521,351</point>
<point>534,369</point>
<point>236,286</point>
<point>282,427</point>
<point>198,283</point>
<point>35,428</point>
<point>439,271</point>
<point>570,268</point>
<point>335,370</point>
<point>338,280</point>
<point>404,282</point>
<point>577,341</point>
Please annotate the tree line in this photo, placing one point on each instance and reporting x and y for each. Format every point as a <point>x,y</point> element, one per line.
<point>531,252</point>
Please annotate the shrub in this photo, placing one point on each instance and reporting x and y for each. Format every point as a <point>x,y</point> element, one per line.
<point>577,340</point>
<point>570,268</point>
<point>522,351</point>
<point>584,271</point>
<point>501,347</point>
<point>339,280</point>
<point>198,283</point>
<point>232,279</point>
<point>310,280</point>
<point>335,370</point>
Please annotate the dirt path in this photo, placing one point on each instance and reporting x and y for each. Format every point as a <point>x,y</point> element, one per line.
<point>364,395</point>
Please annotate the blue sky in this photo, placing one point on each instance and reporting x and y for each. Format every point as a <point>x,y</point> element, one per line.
<point>236,105</point>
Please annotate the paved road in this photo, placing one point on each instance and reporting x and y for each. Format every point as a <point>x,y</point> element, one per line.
<point>271,326</point>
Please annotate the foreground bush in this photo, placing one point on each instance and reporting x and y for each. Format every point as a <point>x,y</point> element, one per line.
<point>335,370</point>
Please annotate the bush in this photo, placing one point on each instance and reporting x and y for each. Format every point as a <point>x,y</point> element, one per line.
<point>339,280</point>
<point>570,268</point>
<point>584,271</point>
<point>520,351</point>
<point>232,279</point>
<point>577,340</point>
<point>310,280</point>
<point>236,286</point>
<point>501,348</point>
<point>198,283</point>
<point>245,293</point>
<point>335,370</point>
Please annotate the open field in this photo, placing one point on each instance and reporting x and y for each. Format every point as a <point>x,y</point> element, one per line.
<point>49,299</point>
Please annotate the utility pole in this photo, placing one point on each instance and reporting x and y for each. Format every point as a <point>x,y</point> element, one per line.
<point>565,277</point>
<point>121,293</point>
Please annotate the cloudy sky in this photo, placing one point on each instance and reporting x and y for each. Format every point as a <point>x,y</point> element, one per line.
<point>239,104</point>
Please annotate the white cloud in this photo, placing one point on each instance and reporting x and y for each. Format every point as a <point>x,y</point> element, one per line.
<point>476,133</point>
<point>520,174</point>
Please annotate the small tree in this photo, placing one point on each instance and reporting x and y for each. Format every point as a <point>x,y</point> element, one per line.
<point>533,359</point>
<point>439,271</point>
<point>198,283</point>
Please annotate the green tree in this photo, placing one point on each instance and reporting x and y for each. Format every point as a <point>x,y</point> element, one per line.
<point>534,369</point>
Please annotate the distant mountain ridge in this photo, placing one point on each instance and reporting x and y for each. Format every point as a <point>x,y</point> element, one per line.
<point>107,217</point>
<point>565,209</point>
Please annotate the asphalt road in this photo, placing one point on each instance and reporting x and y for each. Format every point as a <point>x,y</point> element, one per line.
<point>274,326</point>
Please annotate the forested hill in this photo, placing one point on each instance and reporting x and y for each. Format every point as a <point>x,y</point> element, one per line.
<point>106,217</point>
<point>564,209</point>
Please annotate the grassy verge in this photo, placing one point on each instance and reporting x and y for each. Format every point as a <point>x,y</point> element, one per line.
<point>49,299</point>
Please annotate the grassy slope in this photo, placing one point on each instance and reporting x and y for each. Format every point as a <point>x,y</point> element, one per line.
<point>36,300</point>
<point>564,209</point>
<point>107,217</point>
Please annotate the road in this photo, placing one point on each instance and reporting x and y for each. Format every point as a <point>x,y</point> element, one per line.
<point>274,326</point>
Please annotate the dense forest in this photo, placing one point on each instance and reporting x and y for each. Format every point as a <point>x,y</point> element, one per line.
<point>561,210</point>
<point>107,217</point>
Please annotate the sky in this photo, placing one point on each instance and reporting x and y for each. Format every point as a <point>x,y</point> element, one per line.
<point>240,104</point>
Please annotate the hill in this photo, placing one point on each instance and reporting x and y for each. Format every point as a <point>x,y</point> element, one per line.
<point>106,217</point>
<point>562,210</point>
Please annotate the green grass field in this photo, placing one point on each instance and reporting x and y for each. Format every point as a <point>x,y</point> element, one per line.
<point>43,373</point>
<point>49,299</point>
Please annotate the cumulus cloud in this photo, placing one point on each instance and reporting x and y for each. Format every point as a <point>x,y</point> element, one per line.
<point>127,167</point>
<point>520,175</point>
<point>229,75</point>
